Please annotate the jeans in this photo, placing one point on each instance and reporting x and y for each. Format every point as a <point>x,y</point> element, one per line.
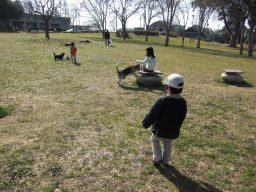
<point>157,151</point>
<point>106,42</point>
<point>73,57</point>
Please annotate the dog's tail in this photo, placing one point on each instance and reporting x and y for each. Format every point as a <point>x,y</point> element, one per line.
<point>117,68</point>
<point>54,53</point>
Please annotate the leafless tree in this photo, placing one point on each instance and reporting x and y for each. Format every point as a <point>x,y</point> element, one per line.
<point>74,14</point>
<point>168,10</point>
<point>205,10</point>
<point>124,9</point>
<point>98,10</point>
<point>64,9</point>
<point>183,10</point>
<point>150,11</point>
<point>30,9</point>
<point>45,8</point>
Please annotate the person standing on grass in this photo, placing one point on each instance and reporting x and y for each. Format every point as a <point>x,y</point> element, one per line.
<point>107,37</point>
<point>73,50</point>
<point>149,61</point>
<point>166,115</point>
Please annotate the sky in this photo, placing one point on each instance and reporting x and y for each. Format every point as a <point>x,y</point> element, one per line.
<point>137,21</point>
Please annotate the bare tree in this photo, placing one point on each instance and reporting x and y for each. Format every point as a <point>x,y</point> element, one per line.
<point>98,10</point>
<point>124,9</point>
<point>150,10</point>
<point>64,9</point>
<point>168,10</point>
<point>183,9</point>
<point>205,10</point>
<point>45,8</point>
<point>74,14</point>
<point>30,9</point>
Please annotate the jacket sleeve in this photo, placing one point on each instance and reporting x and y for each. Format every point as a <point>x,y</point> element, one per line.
<point>145,60</point>
<point>152,115</point>
<point>183,114</point>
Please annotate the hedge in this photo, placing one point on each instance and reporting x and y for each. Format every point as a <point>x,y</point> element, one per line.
<point>120,34</point>
<point>151,33</point>
<point>171,34</point>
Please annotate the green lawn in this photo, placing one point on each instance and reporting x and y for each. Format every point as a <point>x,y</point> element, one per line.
<point>73,128</point>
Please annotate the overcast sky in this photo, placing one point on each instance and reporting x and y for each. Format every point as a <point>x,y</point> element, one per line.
<point>137,21</point>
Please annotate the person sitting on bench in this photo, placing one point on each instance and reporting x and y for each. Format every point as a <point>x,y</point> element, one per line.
<point>149,61</point>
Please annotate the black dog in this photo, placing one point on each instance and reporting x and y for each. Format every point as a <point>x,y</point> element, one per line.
<point>58,57</point>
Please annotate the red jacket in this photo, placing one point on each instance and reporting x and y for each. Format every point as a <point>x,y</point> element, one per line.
<point>73,50</point>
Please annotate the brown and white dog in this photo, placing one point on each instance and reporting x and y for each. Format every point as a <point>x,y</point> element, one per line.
<point>131,70</point>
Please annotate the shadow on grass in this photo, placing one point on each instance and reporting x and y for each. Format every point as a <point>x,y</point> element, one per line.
<point>154,89</point>
<point>77,64</point>
<point>183,183</point>
<point>244,84</point>
<point>190,48</point>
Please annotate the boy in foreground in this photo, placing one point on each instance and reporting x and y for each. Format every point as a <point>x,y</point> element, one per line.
<point>166,115</point>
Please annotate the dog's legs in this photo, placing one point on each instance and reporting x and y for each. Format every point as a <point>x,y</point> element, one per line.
<point>135,75</point>
<point>119,81</point>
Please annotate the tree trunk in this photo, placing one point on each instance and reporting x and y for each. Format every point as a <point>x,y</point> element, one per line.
<point>233,40</point>
<point>47,29</point>
<point>124,30</point>
<point>167,39</point>
<point>250,42</point>
<point>147,28</point>
<point>242,38</point>
<point>183,39</point>
<point>199,37</point>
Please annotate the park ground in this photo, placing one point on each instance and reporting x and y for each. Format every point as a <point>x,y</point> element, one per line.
<point>75,129</point>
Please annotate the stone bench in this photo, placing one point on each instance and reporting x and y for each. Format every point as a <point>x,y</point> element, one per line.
<point>149,78</point>
<point>232,75</point>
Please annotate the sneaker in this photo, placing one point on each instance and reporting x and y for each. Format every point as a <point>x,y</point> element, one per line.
<point>164,164</point>
<point>156,163</point>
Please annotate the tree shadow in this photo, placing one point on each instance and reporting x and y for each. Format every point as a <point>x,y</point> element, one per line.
<point>194,49</point>
<point>184,183</point>
<point>153,89</point>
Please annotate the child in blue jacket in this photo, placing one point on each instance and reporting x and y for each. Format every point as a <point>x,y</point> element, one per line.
<point>166,117</point>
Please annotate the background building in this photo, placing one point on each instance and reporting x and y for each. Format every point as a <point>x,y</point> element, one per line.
<point>36,22</point>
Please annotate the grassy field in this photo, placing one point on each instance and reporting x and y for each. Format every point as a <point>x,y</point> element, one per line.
<point>75,129</point>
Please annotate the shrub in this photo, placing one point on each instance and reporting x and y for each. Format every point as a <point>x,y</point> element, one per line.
<point>121,34</point>
<point>222,38</point>
<point>171,34</point>
<point>151,33</point>
<point>59,29</point>
<point>4,111</point>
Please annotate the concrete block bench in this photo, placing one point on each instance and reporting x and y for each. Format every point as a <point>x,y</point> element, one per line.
<point>232,75</point>
<point>149,78</point>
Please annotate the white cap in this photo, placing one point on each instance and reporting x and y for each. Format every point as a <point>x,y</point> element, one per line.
<point>174,80</point>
